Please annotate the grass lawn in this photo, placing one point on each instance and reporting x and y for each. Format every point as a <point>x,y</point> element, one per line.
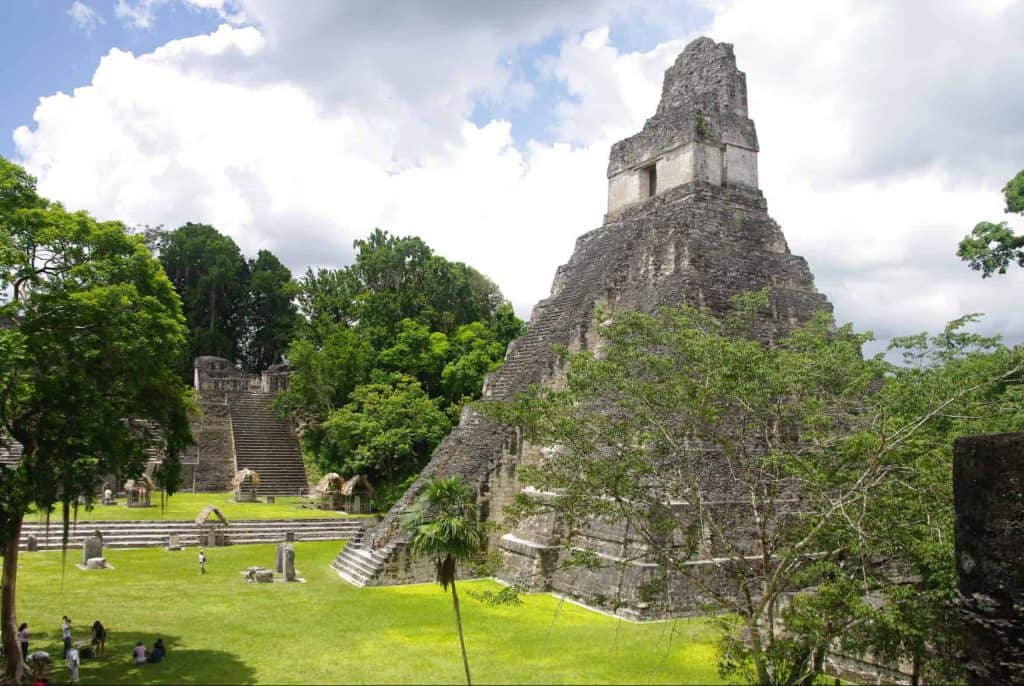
<point>220,630</point>
<point>186,506</point>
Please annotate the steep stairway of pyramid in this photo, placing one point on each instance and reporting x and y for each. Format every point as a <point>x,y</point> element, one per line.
<point>266,444</point>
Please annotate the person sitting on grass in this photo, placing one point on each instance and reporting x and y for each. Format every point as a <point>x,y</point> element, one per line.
<point>99,637</point>
<point>139,654</point>
<point>157,654</point>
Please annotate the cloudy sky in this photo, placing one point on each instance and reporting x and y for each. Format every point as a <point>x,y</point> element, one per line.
<point>886,129</point>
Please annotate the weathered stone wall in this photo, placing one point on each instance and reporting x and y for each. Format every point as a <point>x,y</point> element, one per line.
<point>988,494</point>
<point>217,376</point>
<point>212,458</point>
<point>700,132</point>
<point>699,242</point>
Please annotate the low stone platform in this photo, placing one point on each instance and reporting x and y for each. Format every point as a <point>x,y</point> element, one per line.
<point>152,534</point>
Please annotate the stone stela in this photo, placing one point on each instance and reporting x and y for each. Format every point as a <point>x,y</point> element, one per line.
<point>92,553</point>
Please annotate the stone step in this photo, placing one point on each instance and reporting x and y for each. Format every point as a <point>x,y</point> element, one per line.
<point>189,540</point>
<point>55,533</point>
<point>136,534</point>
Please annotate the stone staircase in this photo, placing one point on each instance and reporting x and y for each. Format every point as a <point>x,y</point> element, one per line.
<point>360,566</point>
<point>265,444</point>
<point>9,455</point>
<point>150,534</point>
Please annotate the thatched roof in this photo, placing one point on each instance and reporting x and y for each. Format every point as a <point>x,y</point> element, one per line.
<point>207,512</point>
<point>355,482</point>
<point>332,481</point>
<point>242,474</point>
<point>144,480</point>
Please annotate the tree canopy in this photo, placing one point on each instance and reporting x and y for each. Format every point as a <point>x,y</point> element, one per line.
<point>680,398</point>
<point>238,309</point>
<point>91,340</point>
<point>388,351</point>
<point>993,246</point>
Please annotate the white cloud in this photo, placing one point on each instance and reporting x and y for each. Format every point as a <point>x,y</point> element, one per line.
<point>85,17</point>
<point>139,14</point>
<point>305,131</point>
<point>151,141</point>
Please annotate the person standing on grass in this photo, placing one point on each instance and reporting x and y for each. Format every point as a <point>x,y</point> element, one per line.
<point>202,561</point>
<point>73,663</point>
<point>99,637</point>
<point>23,640</point>
<point>65,634</point>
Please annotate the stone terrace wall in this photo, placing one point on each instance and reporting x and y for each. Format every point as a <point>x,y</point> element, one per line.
<point>988,493</point>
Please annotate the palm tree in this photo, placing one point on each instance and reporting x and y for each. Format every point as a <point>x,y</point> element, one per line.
<point>444,526</point>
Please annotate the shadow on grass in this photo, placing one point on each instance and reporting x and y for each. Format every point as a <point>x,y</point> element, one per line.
<point>179,666</point>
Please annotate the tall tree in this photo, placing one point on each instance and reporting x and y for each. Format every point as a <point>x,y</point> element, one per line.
<point>92,334</point>
<point>271,316</point>
<point>683,407</point>
<point>993,247</point>
<point>388,430</point>
<point>211,276</point>
<point>402,278</point>
<point>399,309</point>
<point>444,526</point>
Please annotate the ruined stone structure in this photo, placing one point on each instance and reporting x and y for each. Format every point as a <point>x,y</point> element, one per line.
<point>237,429</point>
<point>988,494</point>
<point>686,223</point>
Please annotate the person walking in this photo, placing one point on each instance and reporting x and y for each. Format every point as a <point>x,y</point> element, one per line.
<point>73,664</point>
<point>99,637</point>
<point>202,562</point>
<point>23,640</point>
<point>65,634</point>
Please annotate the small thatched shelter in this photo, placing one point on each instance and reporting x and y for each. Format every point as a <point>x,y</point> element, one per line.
<point>353,496</point>
<point>358,495</point>
<point>140,493</point>
<point>244,484</point>
<point>329,490</point>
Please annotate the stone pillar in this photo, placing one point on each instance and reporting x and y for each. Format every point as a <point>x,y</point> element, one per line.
<point>289,563</point>
<point>279,567</point>
<point>988,494</point>
<point>92,547</point>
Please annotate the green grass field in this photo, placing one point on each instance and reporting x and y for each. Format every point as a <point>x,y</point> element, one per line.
<point>185,506</point>
<point>219,629</point>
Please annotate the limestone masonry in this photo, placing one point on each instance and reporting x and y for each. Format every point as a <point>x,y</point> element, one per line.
<point>988,483</point>
<point>686,223</point>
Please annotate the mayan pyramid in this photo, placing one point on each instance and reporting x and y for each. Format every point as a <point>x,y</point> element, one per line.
<point>686,223</point>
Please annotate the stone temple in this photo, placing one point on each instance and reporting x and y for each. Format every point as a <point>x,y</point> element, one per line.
<point>686,223</point>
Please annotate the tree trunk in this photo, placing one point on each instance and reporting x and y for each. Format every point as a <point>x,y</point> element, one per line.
<point>458,625</point>
<point>915,670</point>
<point>757,648</point>
<point>13,665</point>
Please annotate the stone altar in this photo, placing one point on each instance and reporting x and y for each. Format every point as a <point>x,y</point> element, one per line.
<point>92,547</point>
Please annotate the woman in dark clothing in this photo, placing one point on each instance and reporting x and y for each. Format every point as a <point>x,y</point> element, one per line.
<point>157,654</point>
<point>99,637</point>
